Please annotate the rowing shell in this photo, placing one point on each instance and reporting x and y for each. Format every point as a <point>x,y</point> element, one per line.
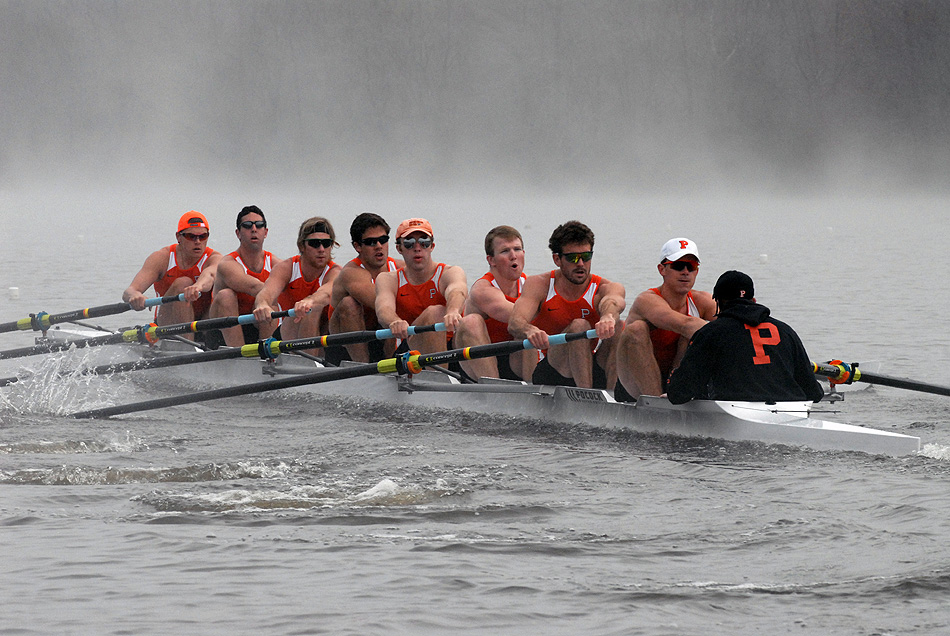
<point>789,423</point>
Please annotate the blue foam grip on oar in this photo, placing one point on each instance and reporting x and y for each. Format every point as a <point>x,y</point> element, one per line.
<point>247,319</point>
<point>561,338</point>
<point>385,334</point>
<point>151,302</point>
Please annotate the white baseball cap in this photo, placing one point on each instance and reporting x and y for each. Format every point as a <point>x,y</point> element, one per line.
<point>677,248</point>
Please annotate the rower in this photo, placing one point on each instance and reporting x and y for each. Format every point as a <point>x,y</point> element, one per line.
<point>744,354</point>
<point>661,322</point>
<point>241,276</point>
<point>354,291</point>
<point>492,297</point>
<point>570,299</point>
<point>303,283</point>
<point>423,292</point>
<point>188,268</point>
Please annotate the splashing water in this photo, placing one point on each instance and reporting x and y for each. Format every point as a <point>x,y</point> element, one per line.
<point>60,385</point>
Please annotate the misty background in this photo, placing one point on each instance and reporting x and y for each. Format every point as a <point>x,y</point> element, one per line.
<point>589,97</point>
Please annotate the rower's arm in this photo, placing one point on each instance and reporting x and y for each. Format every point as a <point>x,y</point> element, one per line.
<point>358,283</point>
<point>488,300</point>
<point>319,299</point>
<point>265,302</point>
<point>205,281</point>
<point>611,304</point>
<point>689,380</point>
<point>387,284</point>
<point>152,270</point>
<point>455,290</point>
<point>526,308</point>
<point>232,276</point>
<point>657,312</point>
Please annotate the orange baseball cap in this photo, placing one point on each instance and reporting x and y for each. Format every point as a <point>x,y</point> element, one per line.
<point>192,219</point>
<point>414,225</point>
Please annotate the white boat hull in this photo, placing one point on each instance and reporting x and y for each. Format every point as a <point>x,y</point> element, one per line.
<point>789,423</point>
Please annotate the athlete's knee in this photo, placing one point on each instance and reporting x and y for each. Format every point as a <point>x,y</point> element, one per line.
<point>577,325</point>
<point>179,284</point>
<point>430,315</point>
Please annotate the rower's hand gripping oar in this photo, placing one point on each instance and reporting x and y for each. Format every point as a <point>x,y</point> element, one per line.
<point>42,321</point>
<point>847,373</point>
<point>145,334</point>
<point>264,349</point>
<point>409,363</point>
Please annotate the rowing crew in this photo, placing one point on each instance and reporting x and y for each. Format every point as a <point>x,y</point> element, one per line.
<point>634,357</point>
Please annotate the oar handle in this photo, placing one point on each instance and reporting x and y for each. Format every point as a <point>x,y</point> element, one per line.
<point>411,364</point>
<point>161,300</point>
<point>152,333</point>
<point>271,349</point>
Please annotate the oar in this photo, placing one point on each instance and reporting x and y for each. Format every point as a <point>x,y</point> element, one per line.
<point>148,333</point>
<point>42,321</point>
<point>847,373</point>
<point>405,364</point>
<point>265,349</point>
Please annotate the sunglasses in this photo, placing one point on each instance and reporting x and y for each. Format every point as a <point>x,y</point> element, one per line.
<point>315,243</point>
<point>575,257</point>
<point>249,224</point>
<point>195,237</point>
<point>409,243</point>
<point>681,265</point>
<point>375,240</point>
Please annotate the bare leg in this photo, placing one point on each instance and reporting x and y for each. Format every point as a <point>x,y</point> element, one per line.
<point>431,341</point>
<point>472,332</point>
<point>176,313</point>
<point>637,368</point>
<point>574,359</point>
<point>307,327</point>
<point>523,363</point>
<point>348,316</point>
<point>606,356</point>
<point>225,303</point>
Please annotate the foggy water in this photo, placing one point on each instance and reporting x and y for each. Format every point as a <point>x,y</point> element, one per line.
<point>804,143</point>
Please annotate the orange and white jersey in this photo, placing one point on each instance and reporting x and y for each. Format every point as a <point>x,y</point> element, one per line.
<point>299,287</point>
<point>246,301</point>
<point>390,264</point>
<point>666,343</point>
<point>497,330</point>
<point>556,313</point>
<point>411,300</point>
<point>173,271</point>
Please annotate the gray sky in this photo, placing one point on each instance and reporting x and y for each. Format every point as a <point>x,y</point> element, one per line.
<point>617,97</point>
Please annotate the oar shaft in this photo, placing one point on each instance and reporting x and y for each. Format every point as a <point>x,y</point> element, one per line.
<point>43,321</point>
<point>139,334</point>
<point>857,375</point>
<point>49,347</point>
<point>326,375</point>
<point>350,337</point>
<point>390,365</point>
<point>495,349</point>
<point>208,324</point>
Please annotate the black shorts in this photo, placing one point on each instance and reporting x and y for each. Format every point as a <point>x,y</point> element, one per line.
<point>504,369</point>
<point>544,373</point>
